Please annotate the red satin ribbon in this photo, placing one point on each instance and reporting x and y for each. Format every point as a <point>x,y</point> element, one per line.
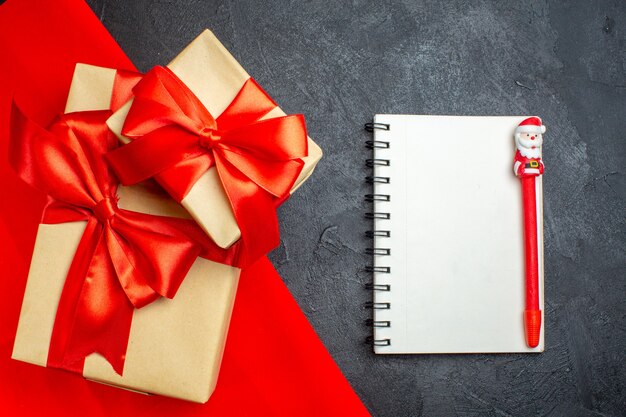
<point>176,140</point>
<point>125,259</point>
<point>123,88</point>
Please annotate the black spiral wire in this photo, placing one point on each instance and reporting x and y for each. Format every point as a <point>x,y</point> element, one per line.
<point>377,144</point>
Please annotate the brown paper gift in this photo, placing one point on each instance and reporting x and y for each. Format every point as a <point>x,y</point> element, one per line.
<point>212,73</point>
<point>175,346</point>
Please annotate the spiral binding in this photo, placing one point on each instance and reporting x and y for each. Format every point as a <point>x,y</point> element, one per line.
<point>379,269</point>
<point>371,144</point>
<point>377,197</point>
<point>371,126</point>
<point>378,180</point>
<point>377,342</point>
<point>371,163</point>
<point>374,215</point>
<point>377,306</point>
<point>378,251</point>
<point>377,323</point>
<point>378,233</point>
<point>378,287</point>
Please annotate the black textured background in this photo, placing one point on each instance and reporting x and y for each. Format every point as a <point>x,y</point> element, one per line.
<point>341,61</point>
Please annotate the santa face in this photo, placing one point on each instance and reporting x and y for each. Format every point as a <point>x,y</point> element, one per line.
<point>529,144</point>
<point>529,140</point>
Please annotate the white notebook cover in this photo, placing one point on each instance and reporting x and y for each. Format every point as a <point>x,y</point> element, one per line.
<point>457,279</point>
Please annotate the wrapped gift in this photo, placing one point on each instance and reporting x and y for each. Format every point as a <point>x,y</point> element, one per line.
<point>218,105</point>
<point>172,347</point>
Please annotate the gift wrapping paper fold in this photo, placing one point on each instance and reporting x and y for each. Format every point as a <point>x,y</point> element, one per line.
<point>176,345</point>
<point>215,77</point>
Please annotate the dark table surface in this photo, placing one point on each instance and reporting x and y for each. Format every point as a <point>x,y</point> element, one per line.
<point>339,62</point>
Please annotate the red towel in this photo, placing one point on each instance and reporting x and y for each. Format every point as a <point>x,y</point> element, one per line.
<point>274,364</point>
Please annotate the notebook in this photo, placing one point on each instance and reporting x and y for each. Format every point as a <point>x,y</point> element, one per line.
<point>448,242</point>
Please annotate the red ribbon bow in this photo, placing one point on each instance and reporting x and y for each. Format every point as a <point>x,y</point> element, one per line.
<point>125,259</point>
<point>176,140</point>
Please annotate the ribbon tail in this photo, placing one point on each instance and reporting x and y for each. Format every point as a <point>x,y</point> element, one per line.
<point>25,136</point>
<point>254,211</point>
<point>94,314</point>
<point>66,310</point>
<point>123,88</point>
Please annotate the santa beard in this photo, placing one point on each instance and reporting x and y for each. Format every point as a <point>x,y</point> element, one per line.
<point>529,152</point>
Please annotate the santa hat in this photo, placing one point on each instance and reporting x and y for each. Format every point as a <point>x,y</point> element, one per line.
<point>531,125</point>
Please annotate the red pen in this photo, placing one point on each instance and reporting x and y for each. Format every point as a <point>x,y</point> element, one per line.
<point>527,166</point>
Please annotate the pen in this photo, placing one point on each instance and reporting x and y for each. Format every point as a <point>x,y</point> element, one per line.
<point>527,166</point>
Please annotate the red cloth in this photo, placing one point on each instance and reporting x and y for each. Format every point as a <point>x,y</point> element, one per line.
<point>274,364</point>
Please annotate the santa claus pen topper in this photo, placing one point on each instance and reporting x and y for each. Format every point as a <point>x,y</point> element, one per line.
<point>527,166</point>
